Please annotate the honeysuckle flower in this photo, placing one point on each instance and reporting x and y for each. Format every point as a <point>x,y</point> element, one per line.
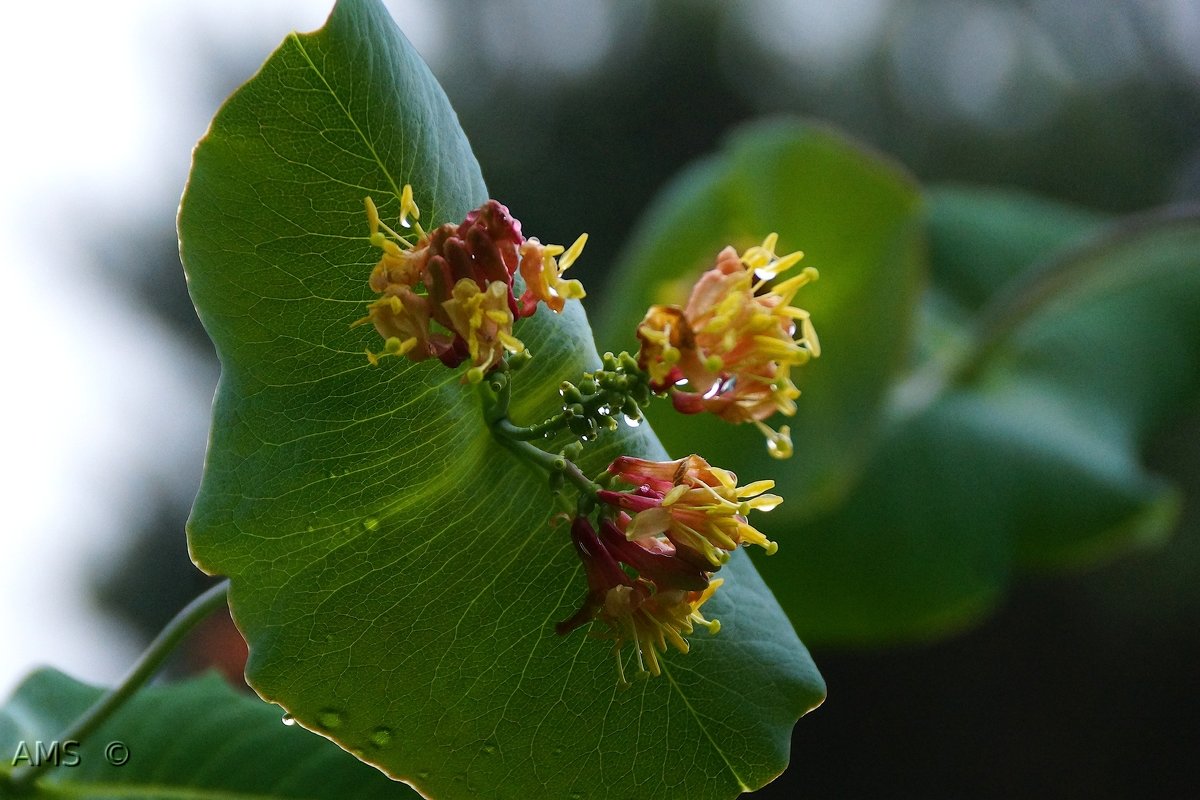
<point>484,321</point>
<point>402,318</point>
<point>698,508</point>
<point>460,277</point>
<point>542,267</point>
<point>646,612</point>
<point>730,350</point>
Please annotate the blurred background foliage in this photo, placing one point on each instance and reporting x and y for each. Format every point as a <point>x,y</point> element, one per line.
<point>1078,115</point>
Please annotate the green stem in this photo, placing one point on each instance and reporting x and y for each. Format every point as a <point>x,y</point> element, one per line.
<point>151,660</point>
<point>541,430</point>
<point>509,436</point>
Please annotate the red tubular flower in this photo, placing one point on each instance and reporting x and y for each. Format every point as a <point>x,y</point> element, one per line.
<point>461,277</point>
<point>735,342</point>
<point>650,610</point>
<point>698,508</point>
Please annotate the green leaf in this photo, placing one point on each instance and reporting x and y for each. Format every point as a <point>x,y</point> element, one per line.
<point>856,218</point>
<point>1099,349</point>
<point>919,547</point>
<point>194,740</point>
<point>982,238</point>
<point>393,568</point>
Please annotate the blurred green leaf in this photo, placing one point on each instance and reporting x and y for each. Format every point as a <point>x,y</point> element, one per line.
<point>1031,455</point>
<point>982,238</point>
<point>393,569</point>
<point>856,217</point>
<point>1098,349</point>
<point>194,739</point>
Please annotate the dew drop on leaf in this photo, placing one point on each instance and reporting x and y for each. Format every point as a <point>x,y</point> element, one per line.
<point>288,719</point>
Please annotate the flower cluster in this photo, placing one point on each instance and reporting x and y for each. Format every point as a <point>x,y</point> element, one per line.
<point>651,535</point>
<point>449,294</point>
<point>649,567</point>
<point>731,348</point>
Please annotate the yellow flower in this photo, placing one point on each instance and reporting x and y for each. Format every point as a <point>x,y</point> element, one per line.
<point>730,350</point>
<point>699,508</point>
<point>484,321</point>
<point>650,620</point>
<point>448,293</point>
<point>655,603</point>
<point>542,272</point>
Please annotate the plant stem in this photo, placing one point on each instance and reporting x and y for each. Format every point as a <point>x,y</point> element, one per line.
<point>541,430</point>
<point>549,462</point>
<point>515,437</point>
<point>144,669</point>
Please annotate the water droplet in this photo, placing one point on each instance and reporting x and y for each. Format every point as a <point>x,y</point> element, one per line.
<point>575,796</point>
<point>329,719</point>
<point>381,736</point>
<point>489,748</point>
<point>632,422</point>
<point>370,523</point>
<point>288,719</point>
<point>423,776</point>
<point>311,528</point>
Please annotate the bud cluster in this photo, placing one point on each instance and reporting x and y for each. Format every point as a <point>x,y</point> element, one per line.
<point>618,387</point>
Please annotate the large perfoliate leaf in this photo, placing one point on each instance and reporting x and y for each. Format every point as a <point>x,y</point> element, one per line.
<point>195,740</point>
<point>393,568</point>
<point>856,217</point>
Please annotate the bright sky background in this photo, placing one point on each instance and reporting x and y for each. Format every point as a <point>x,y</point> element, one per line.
<point>99,122</point>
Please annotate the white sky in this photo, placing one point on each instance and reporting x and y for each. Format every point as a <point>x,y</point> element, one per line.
<point>98,129</point>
